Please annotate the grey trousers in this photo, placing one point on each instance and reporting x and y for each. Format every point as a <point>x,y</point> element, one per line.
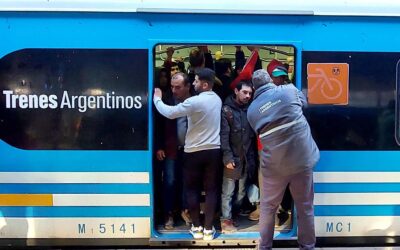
<point>301,187</point>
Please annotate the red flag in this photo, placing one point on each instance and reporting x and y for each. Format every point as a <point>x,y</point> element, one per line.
<point>272,65</point>
<point>247,71</point>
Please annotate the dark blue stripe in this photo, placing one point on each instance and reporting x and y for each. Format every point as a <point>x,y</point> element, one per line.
<point>356,187</point>
<point>75,211</point>
<point>358,210</point>
<point>75,188</point>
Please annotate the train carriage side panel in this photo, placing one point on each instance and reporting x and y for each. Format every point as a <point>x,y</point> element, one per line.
<point>88,185</point>
<point>75,140</point>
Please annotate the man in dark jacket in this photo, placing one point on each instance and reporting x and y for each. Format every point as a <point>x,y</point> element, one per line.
<point>288,156</point>
<point>238,147</point>
<point>170,135</point>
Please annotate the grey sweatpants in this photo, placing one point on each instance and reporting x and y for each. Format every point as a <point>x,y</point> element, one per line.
<point>301,187</point>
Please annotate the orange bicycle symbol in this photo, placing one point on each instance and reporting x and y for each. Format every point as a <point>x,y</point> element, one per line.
<point>328,83</point>
<point>330,87</point>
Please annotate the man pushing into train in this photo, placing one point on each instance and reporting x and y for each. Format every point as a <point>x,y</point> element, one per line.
<point>288,156</point>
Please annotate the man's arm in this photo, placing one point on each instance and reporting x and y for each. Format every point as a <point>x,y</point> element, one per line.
<point>168,60</point>
<point>302,98</point>
<point>227,156</point>
<point>208,60</point>
<point>299,93</point>
<point>251,120</point>
<point>240,60</point>
<point>172,112</point>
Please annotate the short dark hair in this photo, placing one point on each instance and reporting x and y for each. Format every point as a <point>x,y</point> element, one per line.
<point>184,76</point>
<point>240,85</point>
<point>222,66</point>
<point>173,64</point>
<point>196,58</point>
<point>207,75</point>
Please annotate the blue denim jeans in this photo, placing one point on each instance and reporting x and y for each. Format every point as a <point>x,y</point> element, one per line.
<point>228,191</point>
<point>169,185</point>
<point>173,190</point>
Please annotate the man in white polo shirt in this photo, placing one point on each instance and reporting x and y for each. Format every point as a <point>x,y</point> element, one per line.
<point>202,156</point>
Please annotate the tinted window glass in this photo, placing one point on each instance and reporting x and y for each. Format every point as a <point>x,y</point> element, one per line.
<point>368,121</point>
<point>74,99</point>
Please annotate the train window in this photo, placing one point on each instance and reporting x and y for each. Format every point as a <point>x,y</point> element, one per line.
<point>229,62</point>
<point>235,55</point>
<point>396,103</point>
<point>367,121</point>
<point>74,99</point>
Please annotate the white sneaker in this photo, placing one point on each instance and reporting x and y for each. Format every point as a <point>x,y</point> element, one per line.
<point>209,234</point>
<point>197,232</point>
<point>169,224</point>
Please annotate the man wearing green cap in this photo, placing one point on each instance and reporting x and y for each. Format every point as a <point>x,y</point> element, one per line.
<point>278,72</point>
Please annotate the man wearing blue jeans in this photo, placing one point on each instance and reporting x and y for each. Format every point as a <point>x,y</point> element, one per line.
<point>288,156</point>
<point>238,148</point>
<point>170,141</point>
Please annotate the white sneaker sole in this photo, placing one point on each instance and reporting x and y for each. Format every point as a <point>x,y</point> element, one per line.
<point>228,231</point>
<point>197,237</point>
<point>208,237</point>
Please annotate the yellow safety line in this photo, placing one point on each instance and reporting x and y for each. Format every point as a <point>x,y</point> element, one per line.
<point>26,200</point>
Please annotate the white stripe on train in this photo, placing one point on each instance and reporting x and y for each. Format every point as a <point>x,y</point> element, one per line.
<point>101,200</point>
<point>357,177</point>
<point>357,199</point>
<point>137,227</point>
<point>74,177</point>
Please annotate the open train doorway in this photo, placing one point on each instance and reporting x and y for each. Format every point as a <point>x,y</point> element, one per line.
<point>232,64</point>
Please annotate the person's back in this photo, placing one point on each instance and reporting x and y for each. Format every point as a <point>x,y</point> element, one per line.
<point>283,104</point>
<point>288,156</point>
<point>203,122</point>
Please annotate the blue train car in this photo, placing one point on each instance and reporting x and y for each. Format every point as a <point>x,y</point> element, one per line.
<point>76,116</point>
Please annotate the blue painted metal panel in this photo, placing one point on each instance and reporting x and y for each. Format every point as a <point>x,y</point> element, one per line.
<point>359,161</point>
<point>19,160</point>
<point>107,30</point>
<point>73,31</point>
